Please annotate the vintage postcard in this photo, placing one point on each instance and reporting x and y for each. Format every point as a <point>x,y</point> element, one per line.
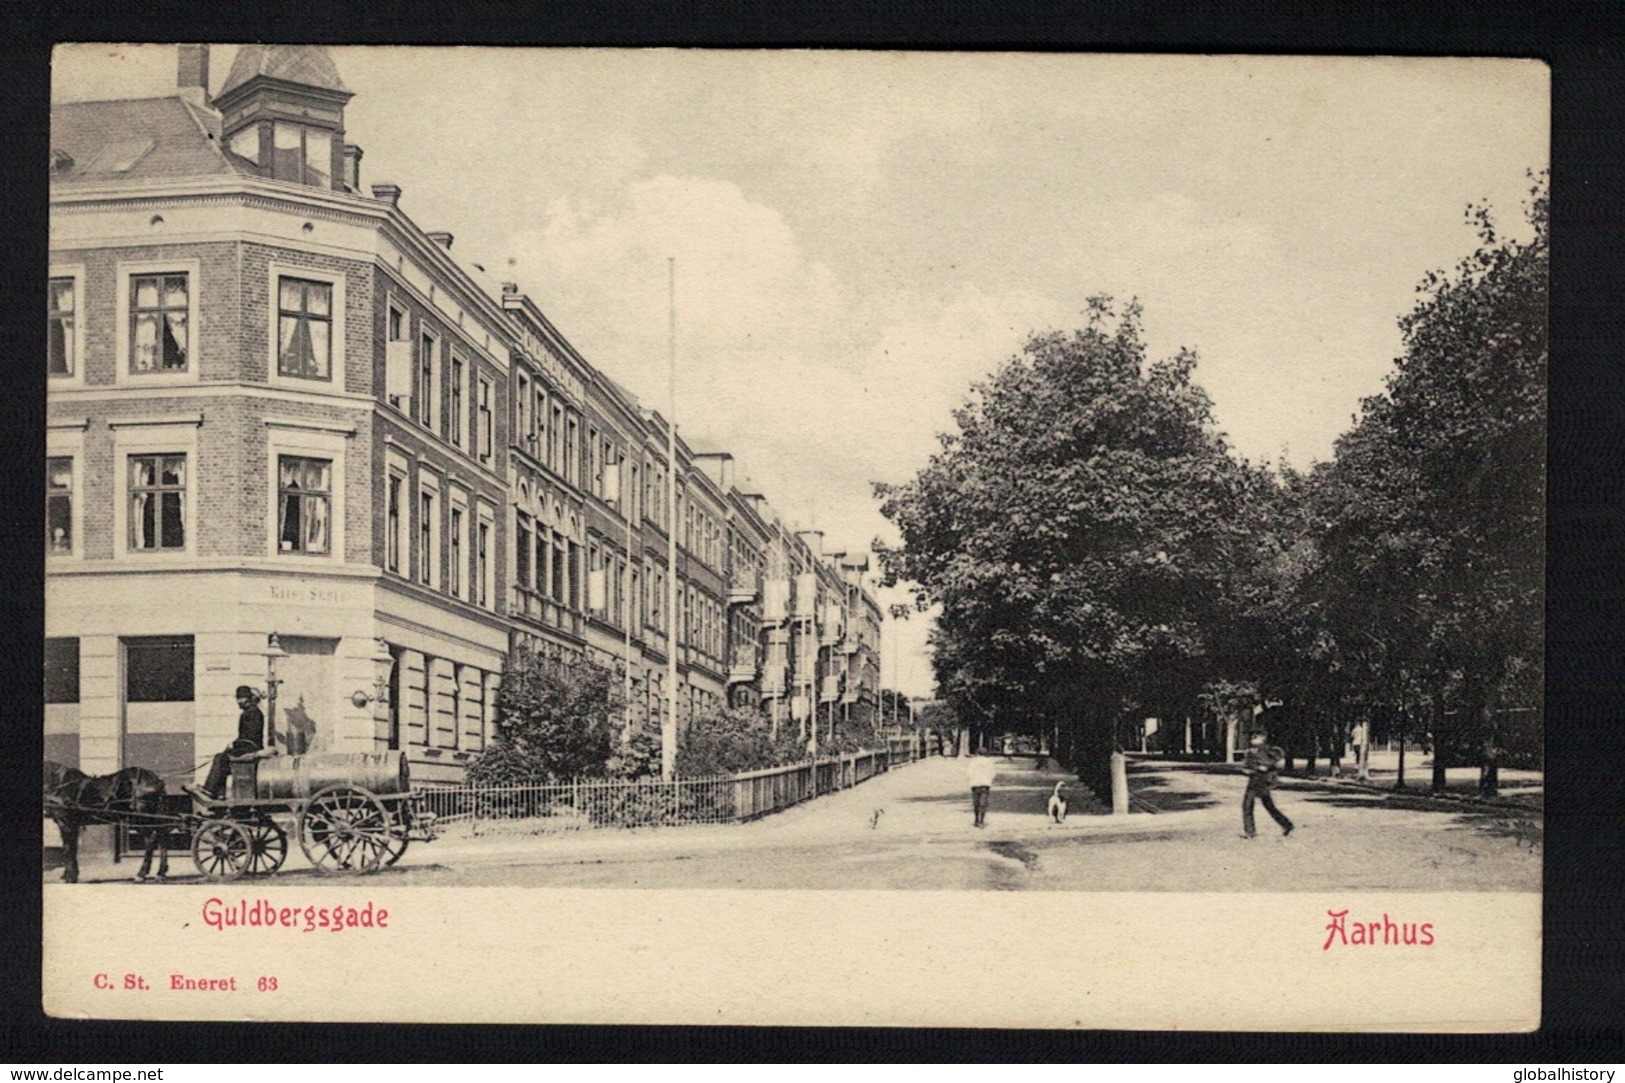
<point>795,537</point>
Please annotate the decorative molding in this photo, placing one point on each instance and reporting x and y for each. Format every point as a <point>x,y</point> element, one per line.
<point>68,424</point>
<point>208,389</point>
<point>338,428</point>
<point>195,420</point>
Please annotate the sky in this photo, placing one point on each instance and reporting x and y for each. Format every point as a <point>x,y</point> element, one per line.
<point>859,236</point>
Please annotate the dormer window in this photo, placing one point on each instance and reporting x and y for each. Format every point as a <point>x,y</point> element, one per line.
<point>302,155</point>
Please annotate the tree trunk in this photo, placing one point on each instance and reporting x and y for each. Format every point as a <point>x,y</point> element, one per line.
<point>1440,726</point>
<point>1094,752</point>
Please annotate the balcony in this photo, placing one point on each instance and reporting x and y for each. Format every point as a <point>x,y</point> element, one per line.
<point>743,590</point>
<point>543,610</point>
<point>744,665</point>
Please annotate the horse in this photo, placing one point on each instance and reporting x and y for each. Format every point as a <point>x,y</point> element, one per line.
<point>74,799</point>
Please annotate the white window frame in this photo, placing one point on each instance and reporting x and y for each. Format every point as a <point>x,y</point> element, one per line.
<point>70,444</point>
<point>75,271</point>
<point>428,408</point>
<point>456,432</point>
<point>193,269</point>
<point>484,419</point>
<point>335,376</point>
<point>398,467</point>
<point>459,568</point>
<point>153,436</point>
<point>428,482</point>
<point>485,516</point>
<point>285,437</point>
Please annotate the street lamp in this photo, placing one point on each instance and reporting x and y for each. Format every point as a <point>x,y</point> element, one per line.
<point>383,664</point>
<point>274,654</point>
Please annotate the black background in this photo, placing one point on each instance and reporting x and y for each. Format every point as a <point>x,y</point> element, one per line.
<point>1584,994</point>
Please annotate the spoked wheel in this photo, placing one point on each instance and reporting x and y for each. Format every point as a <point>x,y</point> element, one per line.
<point>400,823</point>
<point>267,847</point>
<point>345,829</point>
<point>221,849</point>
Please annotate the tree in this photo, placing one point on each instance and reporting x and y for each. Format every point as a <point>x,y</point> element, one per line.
<point>1432,515</point>
<point>1079,531</point>
<point>556,719</point>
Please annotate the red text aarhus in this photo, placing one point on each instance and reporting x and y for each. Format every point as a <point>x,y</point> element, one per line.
<point>1340,930</point>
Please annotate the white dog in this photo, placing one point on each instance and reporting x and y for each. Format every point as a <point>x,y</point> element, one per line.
<point>1057,803</point>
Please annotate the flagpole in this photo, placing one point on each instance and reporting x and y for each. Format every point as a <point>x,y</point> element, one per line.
<point>668,724</point>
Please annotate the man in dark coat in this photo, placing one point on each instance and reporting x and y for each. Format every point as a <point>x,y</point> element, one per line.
<point>250,738</point>
<point>1263,760</point>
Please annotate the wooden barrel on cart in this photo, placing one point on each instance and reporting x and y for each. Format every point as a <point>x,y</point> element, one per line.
<point>298,777</point>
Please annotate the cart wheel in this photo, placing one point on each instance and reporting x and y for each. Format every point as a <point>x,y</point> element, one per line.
<point>400,824</point>
<point>345,829</point>
<point>268,847</point>
<point>221,850</point>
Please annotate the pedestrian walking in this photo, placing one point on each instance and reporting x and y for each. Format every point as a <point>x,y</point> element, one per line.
<point>1263,761</point>
<point>979,772</point>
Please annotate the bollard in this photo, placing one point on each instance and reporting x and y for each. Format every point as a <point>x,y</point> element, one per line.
<point>1119,784</point>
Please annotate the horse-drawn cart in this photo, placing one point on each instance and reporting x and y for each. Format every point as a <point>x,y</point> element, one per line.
<point>352,812</point>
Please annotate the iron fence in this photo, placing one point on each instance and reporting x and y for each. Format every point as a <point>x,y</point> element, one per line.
<point>545,808</point>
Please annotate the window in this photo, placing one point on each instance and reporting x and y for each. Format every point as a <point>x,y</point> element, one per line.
<point>522,421</point>
<point>159,317</point>
<point>304,329</point>
<point>428,392</point>
<point>454,420</point>
<point>555,437</point>
<point>302,155</point>
<point>482,562</point>
<point>304,504</point>
<point>482,435</point>
<point>59,506</point>
<point>456,704</point>
<point>454,573</point>
<point>159,669</point>
<point>572,452</point>
<point>392,543</point>
<point>62,354</point>
<point>157,502</point>
<point>427,536</point>
<point>397,324</point>
<point>62,670</point>
<point>521,552</point>
<point>560,581</point>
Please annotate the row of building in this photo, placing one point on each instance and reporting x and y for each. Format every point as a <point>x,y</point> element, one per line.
<point>295,443</point>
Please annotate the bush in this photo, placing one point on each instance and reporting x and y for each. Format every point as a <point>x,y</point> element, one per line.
<point>733,740</point>
<point>556,719</point>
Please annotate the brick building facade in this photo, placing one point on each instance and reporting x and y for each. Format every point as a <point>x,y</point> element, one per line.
<point>290,433</point>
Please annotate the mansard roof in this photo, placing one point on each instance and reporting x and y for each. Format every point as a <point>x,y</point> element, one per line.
<point>135,138</point>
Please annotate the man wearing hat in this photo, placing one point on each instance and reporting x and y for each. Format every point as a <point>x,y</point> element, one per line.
<point>250,738</point>
<point>1263,760</point>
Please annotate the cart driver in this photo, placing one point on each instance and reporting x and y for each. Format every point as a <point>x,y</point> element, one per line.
<point>250,739</point>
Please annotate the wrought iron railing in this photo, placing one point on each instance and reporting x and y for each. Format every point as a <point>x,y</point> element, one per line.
<point>545,808</point>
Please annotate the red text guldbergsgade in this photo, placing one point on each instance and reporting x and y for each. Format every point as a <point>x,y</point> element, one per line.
<point>221,915</point>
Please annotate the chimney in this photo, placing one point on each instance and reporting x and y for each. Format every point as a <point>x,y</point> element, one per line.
<point>192,74</point>
<point>510,289</point>
<point>389,193</point>
<point>352,167</point>
<point>441,238</point>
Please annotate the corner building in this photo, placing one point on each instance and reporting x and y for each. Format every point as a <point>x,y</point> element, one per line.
<point>295,443</point>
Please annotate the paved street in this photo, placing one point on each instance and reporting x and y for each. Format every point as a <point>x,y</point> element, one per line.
<point>1346,838</point>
